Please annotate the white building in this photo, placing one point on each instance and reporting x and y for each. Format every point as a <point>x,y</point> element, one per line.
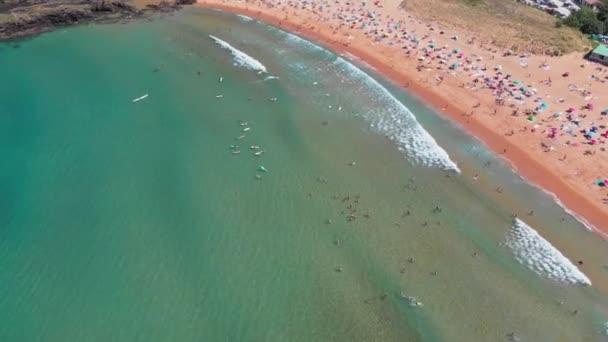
<point>560,8</point>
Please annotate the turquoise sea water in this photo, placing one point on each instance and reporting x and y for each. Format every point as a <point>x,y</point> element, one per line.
<point>124,221</point>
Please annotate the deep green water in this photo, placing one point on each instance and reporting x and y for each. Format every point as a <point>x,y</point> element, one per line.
<point>124,221</point>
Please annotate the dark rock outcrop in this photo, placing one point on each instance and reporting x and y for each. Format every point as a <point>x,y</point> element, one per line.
<point>112,6</point>
<point>72,12</point>
<point>163,7</point>
<point>43,23</point>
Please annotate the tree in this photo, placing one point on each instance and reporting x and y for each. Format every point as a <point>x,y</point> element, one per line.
<point>587,20</point>
<point>602,14</point>
<point>573,21</point>
<point>594,26</point>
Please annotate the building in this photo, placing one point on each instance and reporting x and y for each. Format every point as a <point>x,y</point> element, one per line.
<point>599,54</point>
<point>558,8</point>
<point>561,12</point>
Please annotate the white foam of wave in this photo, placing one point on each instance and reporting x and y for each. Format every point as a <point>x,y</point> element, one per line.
<point>392,118</point>
<point>295,39</point>
<point>536,253</point>
<point>241,58</point>
<point>244,17</point>
<point>577,217</point>
<point>270,77</point>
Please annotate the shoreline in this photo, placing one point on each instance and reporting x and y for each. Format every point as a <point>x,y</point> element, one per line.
<point>524,164</point>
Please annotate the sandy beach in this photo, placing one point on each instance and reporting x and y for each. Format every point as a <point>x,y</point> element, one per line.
<point>545,115</point>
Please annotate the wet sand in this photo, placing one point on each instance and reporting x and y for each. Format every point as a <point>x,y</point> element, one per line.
<point>571,181</point>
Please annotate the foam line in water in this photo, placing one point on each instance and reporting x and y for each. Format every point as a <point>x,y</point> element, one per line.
<point>295,39</point>
<point>298,40</point>
<point>577,217</point>
<point>270,77</point>
<point>244,17</point>
<point>241,58</point>
<point>392,118</point>
<point>536,253</point>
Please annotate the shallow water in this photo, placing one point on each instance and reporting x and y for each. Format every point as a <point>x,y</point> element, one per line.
<point>127,221</point>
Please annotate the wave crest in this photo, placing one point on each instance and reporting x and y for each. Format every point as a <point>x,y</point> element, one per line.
<point>392,118</point>
<point>387,115</point>
<point>241,58</point>
<point>541,257</point>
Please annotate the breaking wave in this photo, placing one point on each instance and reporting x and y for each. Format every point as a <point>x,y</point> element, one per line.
<point>241,58</point>
<point>388,116</point>
<point>536,253</point>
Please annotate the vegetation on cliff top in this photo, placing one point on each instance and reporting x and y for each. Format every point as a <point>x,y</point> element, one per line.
<point>502,23</point>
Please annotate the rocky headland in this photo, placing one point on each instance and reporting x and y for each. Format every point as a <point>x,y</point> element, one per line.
<point>23,18</point>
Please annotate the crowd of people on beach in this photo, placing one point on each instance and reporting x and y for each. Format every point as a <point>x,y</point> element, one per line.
<point>548,106</point>
<point>573,118</point>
